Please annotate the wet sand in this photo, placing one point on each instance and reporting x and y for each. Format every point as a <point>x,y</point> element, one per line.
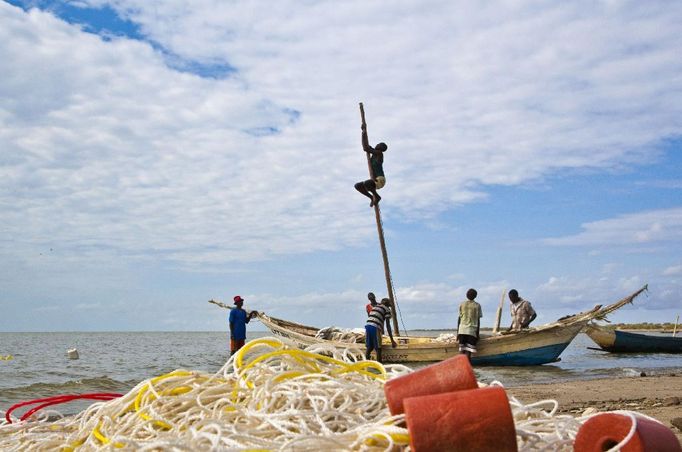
<point>659,396</point>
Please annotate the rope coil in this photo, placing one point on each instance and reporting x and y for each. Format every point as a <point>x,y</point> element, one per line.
<point>268,396</point>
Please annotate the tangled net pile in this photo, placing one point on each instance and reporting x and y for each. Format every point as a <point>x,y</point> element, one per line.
<point>333,333</point>
<point>269,396</point>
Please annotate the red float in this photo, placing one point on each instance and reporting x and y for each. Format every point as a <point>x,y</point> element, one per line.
<point>452,374</point>
<point>604,431</point>
<point>470,420</point>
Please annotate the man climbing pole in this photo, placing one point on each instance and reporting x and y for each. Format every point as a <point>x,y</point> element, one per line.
<point>376,159</point>
<point>375,162</point>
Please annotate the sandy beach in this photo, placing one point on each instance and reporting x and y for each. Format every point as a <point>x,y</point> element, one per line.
<point>659,396</point>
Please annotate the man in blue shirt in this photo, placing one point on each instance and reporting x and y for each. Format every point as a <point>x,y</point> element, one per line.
<point>238,320</point>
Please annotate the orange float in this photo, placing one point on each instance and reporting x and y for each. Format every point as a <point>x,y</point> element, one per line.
<point>604,431</point>
<point>452,374</point>
<point>469,420</point>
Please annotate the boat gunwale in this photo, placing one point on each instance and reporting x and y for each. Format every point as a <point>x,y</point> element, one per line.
<point>429,342</point>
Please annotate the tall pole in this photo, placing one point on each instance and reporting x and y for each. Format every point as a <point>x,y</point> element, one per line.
<point>382,242</point>
<point>498,314</point>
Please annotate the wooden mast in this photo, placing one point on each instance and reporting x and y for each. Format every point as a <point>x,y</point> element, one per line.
<point>498,314</point>
<point>382,242</point>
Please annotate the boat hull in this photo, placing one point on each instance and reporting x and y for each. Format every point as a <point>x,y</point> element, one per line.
<point>536,346</point>
<point>616,341</point>
<point>528,357</point>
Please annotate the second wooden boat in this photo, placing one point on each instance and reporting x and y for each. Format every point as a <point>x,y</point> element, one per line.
<point>617,341</point>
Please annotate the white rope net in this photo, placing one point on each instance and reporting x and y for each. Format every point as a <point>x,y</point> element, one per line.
<point>269,396</point>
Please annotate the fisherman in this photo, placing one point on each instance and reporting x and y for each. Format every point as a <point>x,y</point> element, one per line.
<point>372,302</point>
<point>469,324</point>
<point>376,159</point>
<point>522,312</point>
<point>238,320</point>
<point>374,328</point>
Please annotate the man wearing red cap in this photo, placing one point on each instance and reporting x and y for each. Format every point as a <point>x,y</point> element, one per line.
<point>238,320</point>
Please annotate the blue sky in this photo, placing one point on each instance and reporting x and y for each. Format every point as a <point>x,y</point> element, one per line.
<point>157,155</point>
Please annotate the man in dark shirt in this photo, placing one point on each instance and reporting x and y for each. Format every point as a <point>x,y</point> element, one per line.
<point>376,159</point>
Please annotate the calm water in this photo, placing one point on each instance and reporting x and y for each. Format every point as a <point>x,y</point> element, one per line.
<point>115,362</point>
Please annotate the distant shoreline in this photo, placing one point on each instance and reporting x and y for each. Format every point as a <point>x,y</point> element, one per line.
<point>624,327</point>
<point>264,330</point>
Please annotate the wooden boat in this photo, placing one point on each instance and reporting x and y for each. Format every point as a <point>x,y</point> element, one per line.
<point>533,346</point>
<point>617,341</point>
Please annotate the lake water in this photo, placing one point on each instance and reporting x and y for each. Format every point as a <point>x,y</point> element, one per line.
<point>115,362</point>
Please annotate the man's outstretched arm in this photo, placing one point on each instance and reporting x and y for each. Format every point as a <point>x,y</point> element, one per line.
<point>365,141</point>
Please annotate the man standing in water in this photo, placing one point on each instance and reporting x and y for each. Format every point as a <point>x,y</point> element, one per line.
<point>374,328</point>
<point>376,159</point>
<point>238,320</point>
<point>521,311</point>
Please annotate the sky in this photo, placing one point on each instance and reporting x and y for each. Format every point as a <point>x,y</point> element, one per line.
<point>155,155</point>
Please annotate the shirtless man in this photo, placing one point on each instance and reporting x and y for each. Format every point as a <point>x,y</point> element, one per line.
<point>376,159</point>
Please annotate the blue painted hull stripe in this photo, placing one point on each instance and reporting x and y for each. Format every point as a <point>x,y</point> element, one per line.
<point>641,343</point>
<point>528,357</point>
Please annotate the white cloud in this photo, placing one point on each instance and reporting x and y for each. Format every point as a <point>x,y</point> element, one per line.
<point>46,309</point>
<point>119,153</point>
<point>89,306</point>
<point>666,184</point>
<point>584,292</point>
<point>610,268</point>
<point>673,270</point>
<point>655,226</point>
<point>106,149</point>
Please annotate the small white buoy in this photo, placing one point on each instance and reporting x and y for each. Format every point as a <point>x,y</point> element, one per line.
<point>73,353</point>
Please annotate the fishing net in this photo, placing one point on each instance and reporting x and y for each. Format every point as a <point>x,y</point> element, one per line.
<point>268,396</point>
<point>332,333</point>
